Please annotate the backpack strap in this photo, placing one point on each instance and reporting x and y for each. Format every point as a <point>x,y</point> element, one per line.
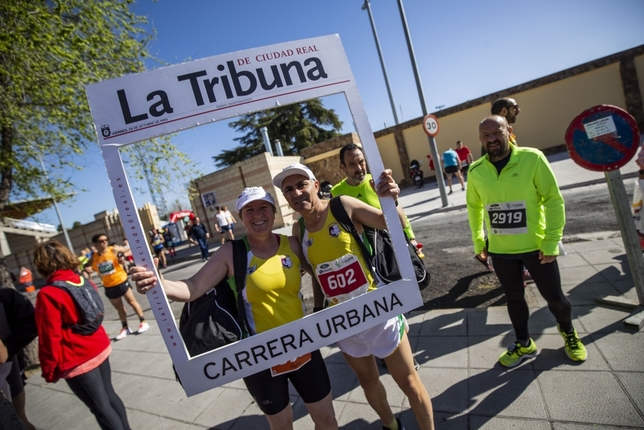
<point>302,228</point>
<point>240,263</point>
<point>340,214</point>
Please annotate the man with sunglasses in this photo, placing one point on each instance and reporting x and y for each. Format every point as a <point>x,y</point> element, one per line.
<point>105,262</point>
<point>509,109</point>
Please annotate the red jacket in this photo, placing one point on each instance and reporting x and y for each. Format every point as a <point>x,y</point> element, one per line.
<point>60,349</point>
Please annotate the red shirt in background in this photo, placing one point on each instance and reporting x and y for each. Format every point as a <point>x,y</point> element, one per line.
<point>462,153</point>
<point>431,162</point>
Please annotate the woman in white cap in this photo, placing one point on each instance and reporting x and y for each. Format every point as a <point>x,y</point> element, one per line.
<point>272,298</point>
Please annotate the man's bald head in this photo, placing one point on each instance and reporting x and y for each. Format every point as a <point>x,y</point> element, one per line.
<point>494,134</point>
<point>501,121</point>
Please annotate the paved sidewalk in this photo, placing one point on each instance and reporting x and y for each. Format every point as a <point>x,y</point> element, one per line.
<point>457,351</point>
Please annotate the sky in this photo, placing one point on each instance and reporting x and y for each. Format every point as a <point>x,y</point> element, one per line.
<point>464,49</point>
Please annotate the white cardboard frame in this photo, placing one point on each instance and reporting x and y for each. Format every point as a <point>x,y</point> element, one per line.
<point>138,107</point>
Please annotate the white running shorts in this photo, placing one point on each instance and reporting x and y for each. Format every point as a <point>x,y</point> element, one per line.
<point>380,340</point>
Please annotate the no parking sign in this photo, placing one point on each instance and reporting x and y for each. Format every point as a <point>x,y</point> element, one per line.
<point>602,138</point>
<point>605,138</point>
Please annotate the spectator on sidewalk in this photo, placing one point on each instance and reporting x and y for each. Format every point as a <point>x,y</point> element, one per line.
<point>199,234</point>
<point>465,155</point>
<point>230,218</point>
<point>452,166</point>
<point>17,330</point>
<point>82,360</point>
<point>514,193</point>
<point>223,225</point>
<point>159,248</point>
<point>169,242</point>
<point>114,278</point>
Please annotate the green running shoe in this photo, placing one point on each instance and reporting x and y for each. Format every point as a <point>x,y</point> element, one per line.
<point>575,350</point>
<point>516,353</point>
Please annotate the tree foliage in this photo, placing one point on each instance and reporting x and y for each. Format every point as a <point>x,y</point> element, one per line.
<point>49,51</point>
<point>296,126</point>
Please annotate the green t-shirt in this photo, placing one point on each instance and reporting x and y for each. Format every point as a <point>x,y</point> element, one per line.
<point>367,194</point>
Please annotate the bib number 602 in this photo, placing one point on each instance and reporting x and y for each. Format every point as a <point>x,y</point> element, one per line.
<point>341,280</point>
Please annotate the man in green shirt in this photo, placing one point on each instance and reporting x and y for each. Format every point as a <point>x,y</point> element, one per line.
<point>358,184</point>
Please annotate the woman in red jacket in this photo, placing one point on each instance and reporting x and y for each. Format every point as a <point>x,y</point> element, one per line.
<point>82,360</point>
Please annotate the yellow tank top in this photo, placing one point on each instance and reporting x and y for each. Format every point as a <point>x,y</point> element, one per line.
<point>272,294</point>
<point>337,262</point>
<point>108,267</point>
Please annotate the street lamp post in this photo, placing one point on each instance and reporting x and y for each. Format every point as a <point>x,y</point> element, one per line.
<point>60,216</point>
<point>367,5</point>
<point>421,96</point>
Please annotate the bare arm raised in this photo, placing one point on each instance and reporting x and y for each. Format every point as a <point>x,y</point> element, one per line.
<point>217,268</point>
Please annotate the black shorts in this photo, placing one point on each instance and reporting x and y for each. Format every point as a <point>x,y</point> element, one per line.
<point>158,251</point>
<point>465,168</point>
<point>118,290</point>
<point>451,169</point>
<point>311,381</point>
<point>224,228</point>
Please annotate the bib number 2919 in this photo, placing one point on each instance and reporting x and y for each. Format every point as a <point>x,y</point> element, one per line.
<point>507,218</point>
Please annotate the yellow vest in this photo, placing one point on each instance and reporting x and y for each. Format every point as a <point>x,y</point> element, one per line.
<point>272,294</point>
<point>337,262</point>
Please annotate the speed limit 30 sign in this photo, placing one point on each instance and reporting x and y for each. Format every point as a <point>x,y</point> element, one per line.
<point>430,125</point>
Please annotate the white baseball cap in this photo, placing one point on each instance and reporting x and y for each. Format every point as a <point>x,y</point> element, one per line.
<point>293,169</point>
<point>251,194</point>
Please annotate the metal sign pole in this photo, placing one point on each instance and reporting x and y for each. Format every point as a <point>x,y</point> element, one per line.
<point>627,228</point>
<point>605,138</point>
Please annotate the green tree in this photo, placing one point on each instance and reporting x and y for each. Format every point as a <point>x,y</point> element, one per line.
<point>296,126</point>
<point>49,51</point>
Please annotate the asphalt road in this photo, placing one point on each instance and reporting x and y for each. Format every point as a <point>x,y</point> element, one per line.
<point>458,281</point>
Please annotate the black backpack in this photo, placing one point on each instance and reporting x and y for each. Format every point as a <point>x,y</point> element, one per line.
<point>88,303</point>
<point>383,258</point>
<point>217,318</point>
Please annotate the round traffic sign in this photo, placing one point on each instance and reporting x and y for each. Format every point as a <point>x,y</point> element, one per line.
<point>602,138</point>
<point>430,125</point>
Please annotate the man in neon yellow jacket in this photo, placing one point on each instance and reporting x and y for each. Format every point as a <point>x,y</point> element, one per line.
<point>514,192</point>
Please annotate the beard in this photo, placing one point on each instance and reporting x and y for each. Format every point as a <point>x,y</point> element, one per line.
<point>358,176</point>
<point>498,150</point>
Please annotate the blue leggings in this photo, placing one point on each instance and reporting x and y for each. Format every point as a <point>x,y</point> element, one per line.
<point>95,389</point>
<point>545,276</point>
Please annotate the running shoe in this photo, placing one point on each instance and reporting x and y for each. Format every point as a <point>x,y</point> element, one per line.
<point>122,334</point>
<point>516,353</point>
<point>400,426</point>
<point>575,350</point>
<point>143,327</point>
